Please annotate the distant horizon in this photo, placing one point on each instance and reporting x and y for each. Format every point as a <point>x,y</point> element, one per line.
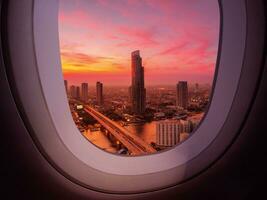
<point>78,78</point>
<point>159,85</point>
<point>178,40</point>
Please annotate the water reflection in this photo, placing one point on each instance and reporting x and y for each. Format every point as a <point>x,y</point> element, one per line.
<point>146,132</point>
<point>99,139</point>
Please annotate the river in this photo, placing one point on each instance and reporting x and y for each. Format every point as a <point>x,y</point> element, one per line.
<point>146,132</point>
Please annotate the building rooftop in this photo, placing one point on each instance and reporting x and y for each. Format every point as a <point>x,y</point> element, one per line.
<point>136,53</point>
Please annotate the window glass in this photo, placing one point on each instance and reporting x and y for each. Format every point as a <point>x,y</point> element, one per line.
<point>138,73</point>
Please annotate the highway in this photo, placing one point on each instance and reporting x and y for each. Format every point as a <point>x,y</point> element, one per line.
<point>134,144</point>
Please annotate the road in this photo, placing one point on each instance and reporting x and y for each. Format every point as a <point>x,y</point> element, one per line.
<point>133,143</point>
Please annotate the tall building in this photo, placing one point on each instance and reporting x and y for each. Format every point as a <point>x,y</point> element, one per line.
<point>78,92</point>
<point>66,86</point>
<point>171,132</point>
<point>73,91</point>
<point>182,94</point>
<point>84,92</point>
<point>189,125</point>
<point>138,91</point>
<point>99,93</point>
<point>168,132</point>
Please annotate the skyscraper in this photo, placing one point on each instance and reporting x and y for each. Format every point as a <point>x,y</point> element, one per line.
<point>78,92</point>
<point>84,92</point>
<point>168,132</point>
<point>73,91</point>
<point>66,86</point>
<point>171,132</point>
<point>138,91</point>
<point>182,94</point>
<point>99,93</point>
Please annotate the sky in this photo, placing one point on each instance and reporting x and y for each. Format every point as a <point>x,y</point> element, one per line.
<point>177,39</point>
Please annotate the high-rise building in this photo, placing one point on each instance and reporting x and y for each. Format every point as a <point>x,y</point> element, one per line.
<point>78,92</point>
<point>99,93</point>
<point>182,94</point>
<point>138,91</point>
<point>73,91</point>
<point>66,86</point>
<point>171,132</point>
<point>188,125</point>
<point>168,132</point>
<point>84,92</point>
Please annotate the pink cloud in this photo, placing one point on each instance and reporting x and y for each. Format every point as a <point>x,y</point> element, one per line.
<point>78,19</point>
<point>70,46</point>
<point>79,58</point>
<point>176,36</point>
<point>137,36</point>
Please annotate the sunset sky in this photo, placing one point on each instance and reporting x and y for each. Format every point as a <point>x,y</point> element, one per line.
<point>177,39</point>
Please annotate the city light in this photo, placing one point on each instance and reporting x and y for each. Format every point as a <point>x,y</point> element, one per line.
<point>138,75</point>
<point>137,120</point>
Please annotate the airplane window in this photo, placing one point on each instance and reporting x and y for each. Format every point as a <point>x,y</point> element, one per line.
<point>138,74</point>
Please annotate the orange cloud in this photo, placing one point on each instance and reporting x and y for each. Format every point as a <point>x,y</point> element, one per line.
<point>178,38</point>
<point>83,63</point>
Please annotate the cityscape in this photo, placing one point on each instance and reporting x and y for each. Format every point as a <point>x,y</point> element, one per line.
<point>137,119</point>
<point>138,73</point>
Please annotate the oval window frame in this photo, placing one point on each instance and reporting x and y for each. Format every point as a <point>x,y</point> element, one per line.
<point>44,118</point>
